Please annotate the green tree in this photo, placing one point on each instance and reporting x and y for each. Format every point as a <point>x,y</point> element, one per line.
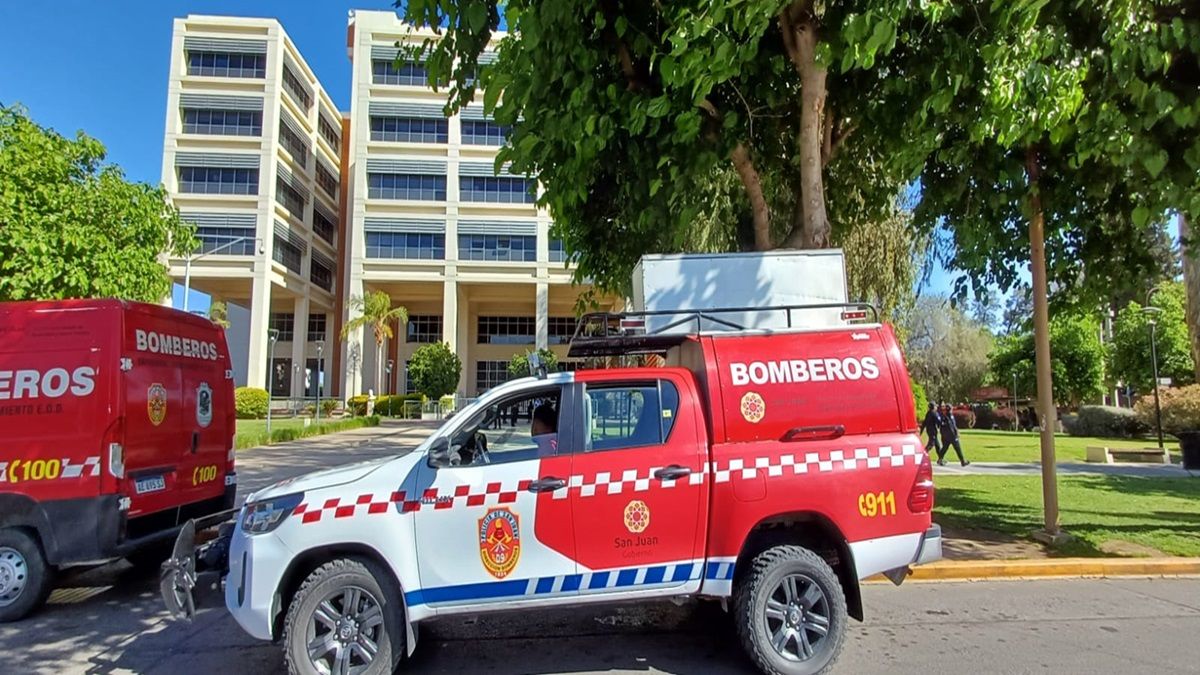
<point>518,365</point>
<point>72,226</point>
<point>946,350</point>
<point>1077,365</point>
<point>1129,356</point>
<point>1190,251</point>
<point>435,370</point>
<point>374,311</point>
<point>218,313</point>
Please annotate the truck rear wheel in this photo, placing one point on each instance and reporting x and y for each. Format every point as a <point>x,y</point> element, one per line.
<point>790,612</point>
<point>345,618</point>
<point>24,575</point>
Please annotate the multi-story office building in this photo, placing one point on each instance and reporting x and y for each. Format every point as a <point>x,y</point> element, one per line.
<point>252,157</point>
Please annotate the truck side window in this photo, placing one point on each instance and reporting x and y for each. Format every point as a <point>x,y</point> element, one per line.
<point>630,416</point>
<point>519,428</point>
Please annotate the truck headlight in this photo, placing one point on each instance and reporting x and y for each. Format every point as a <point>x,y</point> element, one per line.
<point>268,514</point>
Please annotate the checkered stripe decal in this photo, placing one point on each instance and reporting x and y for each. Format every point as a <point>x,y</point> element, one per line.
<point>91,466</point>
<point>613,483</point>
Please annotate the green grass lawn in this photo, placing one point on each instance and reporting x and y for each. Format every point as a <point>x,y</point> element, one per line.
<point>248,428</point>
<point>1162,513</point>
<point>1021,446</point>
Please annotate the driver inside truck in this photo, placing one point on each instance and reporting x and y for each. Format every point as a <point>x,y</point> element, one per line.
<point>544,429</point>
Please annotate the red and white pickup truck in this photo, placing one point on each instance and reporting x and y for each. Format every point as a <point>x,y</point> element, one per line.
<point>770,470</point>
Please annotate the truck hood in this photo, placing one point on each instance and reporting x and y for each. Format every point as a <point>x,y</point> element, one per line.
<point>340,475</point>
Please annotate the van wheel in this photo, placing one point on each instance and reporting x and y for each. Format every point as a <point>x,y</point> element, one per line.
<point>791,612</point>
<point>346,618</point>
<point>24,575</point>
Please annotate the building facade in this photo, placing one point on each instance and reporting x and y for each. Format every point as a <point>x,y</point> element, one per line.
<point>321,207</point>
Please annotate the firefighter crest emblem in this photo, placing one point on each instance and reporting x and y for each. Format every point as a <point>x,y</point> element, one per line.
<point>156,403</point>
<point>754,408</point>
<point>204,405</point>
<point>500,542</point>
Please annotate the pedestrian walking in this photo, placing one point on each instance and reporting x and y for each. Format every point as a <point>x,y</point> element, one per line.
<point>933,420</point>
<point>949,429</point>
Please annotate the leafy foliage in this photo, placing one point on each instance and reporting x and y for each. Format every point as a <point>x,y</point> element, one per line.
<point>946,350</point>
<point>1180,409</point>
<point>518,365</point>
<point>1106,422</point>
<point>435,370</point>
<point>1130,356</point>
<point>250,403</point>
<point>73,227</point>
<point>920,399</point>
<point>218,313</point>
<point>1077,359</point>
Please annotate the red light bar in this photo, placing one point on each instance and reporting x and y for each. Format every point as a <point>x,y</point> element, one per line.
<point>856,314</point>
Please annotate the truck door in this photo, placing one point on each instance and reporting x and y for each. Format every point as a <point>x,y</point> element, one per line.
<point>640,504</point>
<point>205,436</point>
<point>154,412</point>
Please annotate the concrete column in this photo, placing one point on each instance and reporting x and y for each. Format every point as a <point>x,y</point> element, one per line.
<point>299,344</point>
<point>450,315</point>
<point>258,358</point>
<point>353,349</point>
<point>543,316</point>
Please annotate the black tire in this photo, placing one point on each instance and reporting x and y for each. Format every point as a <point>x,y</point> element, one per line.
<point>800,622</point>
<point>25,578</point>
<point>329,584</point>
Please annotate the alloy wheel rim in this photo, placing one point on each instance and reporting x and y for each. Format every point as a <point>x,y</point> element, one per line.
<point>14,573</point>
<point>797,617</point>
<point>342,636</point>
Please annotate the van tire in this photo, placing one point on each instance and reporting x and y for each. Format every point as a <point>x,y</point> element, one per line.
<point>22,562</point>
<point>815,600</point>
<point>330,583</point>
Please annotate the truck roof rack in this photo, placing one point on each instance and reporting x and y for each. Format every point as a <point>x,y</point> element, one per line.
<point>625,333</point>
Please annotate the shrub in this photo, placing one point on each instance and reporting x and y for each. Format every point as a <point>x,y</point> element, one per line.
<point>328,405</point>
<point>964,418</point>
<point>987,417</point>
<point>250,403</point>
<point>920,399</point>
<point>435,370</point>
<point>1107,422</point>
<point>390,405</point>
<point>357,405</point>
<point>1180,409</point>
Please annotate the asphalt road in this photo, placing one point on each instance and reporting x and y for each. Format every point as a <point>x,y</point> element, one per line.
<point>110,620</point>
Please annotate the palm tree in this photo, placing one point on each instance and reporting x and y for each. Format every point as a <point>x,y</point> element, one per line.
<point>374,311</point>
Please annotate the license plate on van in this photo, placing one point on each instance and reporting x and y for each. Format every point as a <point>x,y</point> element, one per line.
<point>150,484</point>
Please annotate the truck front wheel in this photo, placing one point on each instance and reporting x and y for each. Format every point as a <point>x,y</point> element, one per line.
<point>346,618</point>
<point>791,612</point>
<point>24,575</point>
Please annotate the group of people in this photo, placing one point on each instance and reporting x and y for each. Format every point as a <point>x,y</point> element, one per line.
<point>940,420</point>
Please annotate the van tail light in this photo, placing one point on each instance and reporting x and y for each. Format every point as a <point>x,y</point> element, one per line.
<point>116,460</point>
<point>920,498</point>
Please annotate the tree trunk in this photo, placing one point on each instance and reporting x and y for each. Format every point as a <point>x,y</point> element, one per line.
<point>1041,339</point>
<point>758,203</point>
<point>1190,251</point>
<point>801,38</point>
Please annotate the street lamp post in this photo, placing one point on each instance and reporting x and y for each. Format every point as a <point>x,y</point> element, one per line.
<point>187,263</point>
<point>1150,313</point>
<point>273,336</point>
<point>320,348</point>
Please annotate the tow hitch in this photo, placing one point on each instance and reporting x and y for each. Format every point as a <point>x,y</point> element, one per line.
<point>193,574</point>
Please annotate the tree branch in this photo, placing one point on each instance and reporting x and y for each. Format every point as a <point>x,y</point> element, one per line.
<point>758,203</point>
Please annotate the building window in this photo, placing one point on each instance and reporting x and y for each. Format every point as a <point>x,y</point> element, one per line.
<point>424,329</point>
<point>499,190</point>
<point>285,323</point>
<point>213,181</point>
<point>480,132</point>
<point>558,252</point>
<point>495,247</point>
<point>560,329</point>
<point>324,227</point>
<point>489,374</point>
<point>225,64</point>
<point>409,130</point>
<point>294,144</point>
<point>212,238</point>
<point>406,186</point>
<point>292,85</point>
<point>409,387</point>
<point>329,133</point>
<point>408,245</point>
<point>222,122</point>
<point>506,330</point>
<point>287,254</point>
<point>327,181</point>
<point>280,377</point>
<point>384,71</point>
<point>290,197</point>
<point>316,327</point>
<point>320,275</point>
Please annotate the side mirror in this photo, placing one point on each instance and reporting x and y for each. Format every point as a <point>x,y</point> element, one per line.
<point>439,453</point>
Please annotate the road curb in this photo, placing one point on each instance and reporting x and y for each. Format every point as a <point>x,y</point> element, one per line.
<point>965,570</point>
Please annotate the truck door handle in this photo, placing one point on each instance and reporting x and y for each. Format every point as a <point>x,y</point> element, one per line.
<point>547,484</point>
<point>195,441</point>
<point>673,472</point>
<point>821,433</point>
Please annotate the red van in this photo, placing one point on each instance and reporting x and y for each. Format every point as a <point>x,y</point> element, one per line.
<point>116,427</point>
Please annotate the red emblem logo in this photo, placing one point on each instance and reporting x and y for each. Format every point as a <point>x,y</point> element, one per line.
<point>500,541</point>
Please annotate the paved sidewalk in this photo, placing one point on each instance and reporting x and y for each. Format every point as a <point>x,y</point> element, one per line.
<point>1064,469</point>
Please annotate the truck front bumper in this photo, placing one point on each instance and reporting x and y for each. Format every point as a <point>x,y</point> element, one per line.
<point>257,564</point>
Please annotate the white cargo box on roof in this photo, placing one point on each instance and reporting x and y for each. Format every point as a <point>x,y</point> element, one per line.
<point>720,280</point>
